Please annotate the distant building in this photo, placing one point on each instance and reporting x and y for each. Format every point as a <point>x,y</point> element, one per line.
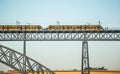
<point>11,71</point>
<point>98,68</point>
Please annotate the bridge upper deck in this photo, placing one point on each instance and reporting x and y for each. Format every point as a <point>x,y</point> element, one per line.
<point>59,35</point>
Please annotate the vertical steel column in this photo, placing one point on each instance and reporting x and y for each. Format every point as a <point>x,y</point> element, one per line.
<point>24,53</point>
<point>85,57</point>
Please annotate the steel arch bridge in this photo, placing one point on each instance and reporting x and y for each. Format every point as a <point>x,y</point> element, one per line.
<point>14,60</point>
<point>67,35</point>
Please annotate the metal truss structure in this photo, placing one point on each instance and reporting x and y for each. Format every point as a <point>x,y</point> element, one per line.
<point>85,58</point>
<point>14,60</point>
<point>45,35</point>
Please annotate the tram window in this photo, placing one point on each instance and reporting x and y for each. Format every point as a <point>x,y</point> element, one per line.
<point>0,27</point>
<point>14,27</point>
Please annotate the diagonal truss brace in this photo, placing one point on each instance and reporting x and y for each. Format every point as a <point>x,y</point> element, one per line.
<point>14,60</point>
<point>102,35</point>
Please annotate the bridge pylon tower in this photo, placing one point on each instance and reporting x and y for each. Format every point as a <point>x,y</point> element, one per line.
<point>85,57</point>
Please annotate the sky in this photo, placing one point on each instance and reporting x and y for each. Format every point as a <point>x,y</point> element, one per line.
<point>63,55</point>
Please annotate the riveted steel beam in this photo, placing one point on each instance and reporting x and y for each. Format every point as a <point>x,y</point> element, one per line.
<point>45,35</point>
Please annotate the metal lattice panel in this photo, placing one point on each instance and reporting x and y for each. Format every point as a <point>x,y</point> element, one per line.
<point>104,35</point>
<point>85,58</point>
<point>14,60</point>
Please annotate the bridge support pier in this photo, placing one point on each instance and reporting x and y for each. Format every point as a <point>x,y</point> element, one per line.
<point>85,58</point>
<point>24,53</point>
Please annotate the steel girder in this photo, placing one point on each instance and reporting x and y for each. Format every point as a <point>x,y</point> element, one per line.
<point>44,35</point>
<point>14,60</point>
